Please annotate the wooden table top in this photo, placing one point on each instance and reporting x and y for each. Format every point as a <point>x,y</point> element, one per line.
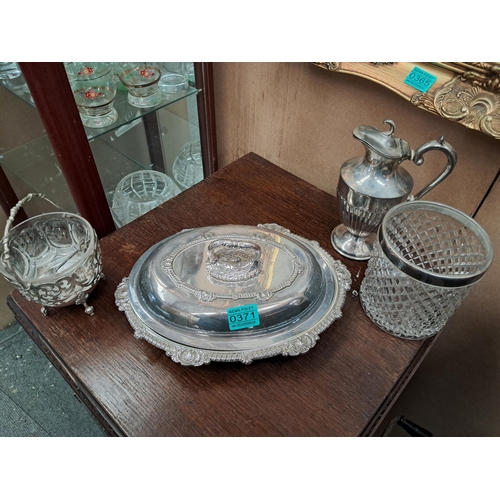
<point>342,387</point>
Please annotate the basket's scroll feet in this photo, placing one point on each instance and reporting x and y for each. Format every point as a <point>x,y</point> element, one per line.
<point>82,300</point>
<point>45,311</point>
<point>102,277</point>
<point>88,309</point>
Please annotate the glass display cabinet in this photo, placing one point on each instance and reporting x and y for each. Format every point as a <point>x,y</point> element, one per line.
<point>79,167</point>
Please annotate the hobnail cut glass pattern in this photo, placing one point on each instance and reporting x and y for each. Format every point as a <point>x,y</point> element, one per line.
<point>436,243</point>
<point>402,306</point>
<point>426,260</point>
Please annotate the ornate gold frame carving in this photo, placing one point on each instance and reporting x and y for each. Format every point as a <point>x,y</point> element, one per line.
<point>466,93</point>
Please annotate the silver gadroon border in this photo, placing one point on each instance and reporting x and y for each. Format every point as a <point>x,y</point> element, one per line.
<point>299,344</point>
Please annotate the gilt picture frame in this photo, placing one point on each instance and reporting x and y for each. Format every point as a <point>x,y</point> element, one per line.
<point>463,92</point>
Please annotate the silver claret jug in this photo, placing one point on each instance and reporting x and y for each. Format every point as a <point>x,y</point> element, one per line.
<point>371,185</point>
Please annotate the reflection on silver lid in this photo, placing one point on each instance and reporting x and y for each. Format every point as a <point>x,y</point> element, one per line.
<point>179,292</point>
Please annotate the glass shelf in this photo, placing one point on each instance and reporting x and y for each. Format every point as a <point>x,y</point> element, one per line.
<point>126,113</point>
<point>19,88</point>
<point>33,166</point>
<point>141,139</point>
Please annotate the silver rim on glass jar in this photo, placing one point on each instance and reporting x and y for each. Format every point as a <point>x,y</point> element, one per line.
<point>426,259</point>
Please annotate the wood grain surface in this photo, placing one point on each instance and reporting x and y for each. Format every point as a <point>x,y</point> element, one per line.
<point>341,387</point>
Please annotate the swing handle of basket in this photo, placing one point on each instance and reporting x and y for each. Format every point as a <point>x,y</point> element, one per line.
<point>12,216</point>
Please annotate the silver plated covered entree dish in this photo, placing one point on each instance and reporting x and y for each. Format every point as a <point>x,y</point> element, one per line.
<point>233,293</point>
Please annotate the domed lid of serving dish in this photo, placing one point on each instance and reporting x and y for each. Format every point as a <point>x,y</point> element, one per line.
<point>233,288</point>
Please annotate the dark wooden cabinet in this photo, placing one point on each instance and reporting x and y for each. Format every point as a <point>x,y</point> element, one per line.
<point>86,157</point>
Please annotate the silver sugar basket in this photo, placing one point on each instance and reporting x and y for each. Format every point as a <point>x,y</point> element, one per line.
<point>53,259</point>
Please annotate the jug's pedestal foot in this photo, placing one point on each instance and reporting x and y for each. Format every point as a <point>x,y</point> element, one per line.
<point>351,246</point>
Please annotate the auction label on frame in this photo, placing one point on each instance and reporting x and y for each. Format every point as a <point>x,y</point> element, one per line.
<point>420,79</point>
<point>243,317</point>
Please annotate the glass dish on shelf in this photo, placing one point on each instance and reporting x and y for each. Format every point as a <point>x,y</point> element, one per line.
<point>188,166</point>
<point>140,192</point>
<point>174,77</point>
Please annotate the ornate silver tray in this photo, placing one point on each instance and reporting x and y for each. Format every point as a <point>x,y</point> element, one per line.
<point>233,293</point>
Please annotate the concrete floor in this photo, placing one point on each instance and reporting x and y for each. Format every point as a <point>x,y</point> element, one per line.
<point>35,401</point>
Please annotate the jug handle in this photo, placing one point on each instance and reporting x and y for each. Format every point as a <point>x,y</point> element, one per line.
<point>440,145</point>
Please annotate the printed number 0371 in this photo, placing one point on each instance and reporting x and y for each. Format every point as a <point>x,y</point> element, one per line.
<point>241,317</point>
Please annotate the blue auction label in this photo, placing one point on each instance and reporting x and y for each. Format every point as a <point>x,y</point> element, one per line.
<point>243,317</point>
<point>420,79</point>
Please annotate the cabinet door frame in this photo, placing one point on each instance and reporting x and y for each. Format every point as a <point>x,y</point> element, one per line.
<point>54,100</point>
<point>204,81</point>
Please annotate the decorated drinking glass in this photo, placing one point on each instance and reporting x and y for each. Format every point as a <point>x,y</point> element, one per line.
<point>94,90</point>
<point>141,80</point>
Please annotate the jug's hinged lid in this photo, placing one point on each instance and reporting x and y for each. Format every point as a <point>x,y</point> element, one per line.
<point>383,142</point>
